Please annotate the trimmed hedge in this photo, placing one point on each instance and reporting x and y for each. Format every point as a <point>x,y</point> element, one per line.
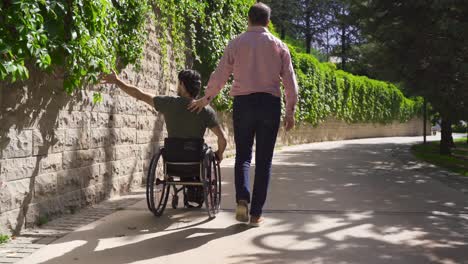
<point>326,92</point>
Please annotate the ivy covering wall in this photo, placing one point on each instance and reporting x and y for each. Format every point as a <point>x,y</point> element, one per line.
<point>75,39</point>
<point>80,39</point>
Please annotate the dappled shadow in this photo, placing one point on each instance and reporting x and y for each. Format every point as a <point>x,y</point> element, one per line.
<point>387,206</point>
<point>351,203</point>
<point>377,177</point>
<point>35,111</point>
<point>146,238</point>
<point>357,238</point>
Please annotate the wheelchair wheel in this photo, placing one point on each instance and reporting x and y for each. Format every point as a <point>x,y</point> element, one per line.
<point>212,184</point>
<point>157,191</point>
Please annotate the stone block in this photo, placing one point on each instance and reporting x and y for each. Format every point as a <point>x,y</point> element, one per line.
<point>147,151</point>
<point>123,121</point>
<point>136,181</point>
<point>17,144</point>
<point>100,137</point>
<point>70,180</point>
<point>126,104</point>
<point>106,106</point>
<point>91,175</point>
<point>105,154</point>
<point>93,194</point>
<point>147,136</point>
<point>94,121</point>
<point>76,139</point>
<point>71,200</point>
<point>105,169</point>
<point>9,221</point>
<point>147,122</point>
<point>126,167</point>
<point>126,136</point>
<point>45,186</point>
<point>51,163</point>
<point>100,120</point>
<point>73,119</point>
<point>15,169</point>
<point>14,194</point>
<point>43,146</point>
<point>145,165</point>
<point>103,137</point>
<point>48,209</point>
<point>127,151</point>
<point>80,158</point>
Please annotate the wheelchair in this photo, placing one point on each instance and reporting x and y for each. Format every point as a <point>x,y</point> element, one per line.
<point>188,166</point>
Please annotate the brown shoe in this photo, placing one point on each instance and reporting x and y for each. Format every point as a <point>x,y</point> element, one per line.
<point>242,211</point>
<point>256,221</point>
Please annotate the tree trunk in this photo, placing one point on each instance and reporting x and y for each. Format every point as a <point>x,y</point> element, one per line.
<point>283,33</point>
<point>308,33</point>
<point>308,43</point>
<point>446,135</point>
<point>343,47</point>
<point>452,143</point>
<point>425,121</point>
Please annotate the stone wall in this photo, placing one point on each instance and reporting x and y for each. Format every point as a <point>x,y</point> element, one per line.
<point>59,153</point>
<point>330,130</point>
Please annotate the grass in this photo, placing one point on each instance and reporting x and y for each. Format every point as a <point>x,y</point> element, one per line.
<point>458,162</point>
<point>4,239</point>
<point>42,220</point>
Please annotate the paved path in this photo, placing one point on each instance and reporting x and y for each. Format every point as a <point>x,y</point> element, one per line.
<point>360,201</point>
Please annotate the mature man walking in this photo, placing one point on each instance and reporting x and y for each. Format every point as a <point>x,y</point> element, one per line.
<point>258,61</point>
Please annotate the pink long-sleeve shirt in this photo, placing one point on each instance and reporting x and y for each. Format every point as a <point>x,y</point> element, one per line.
<point>259,62</point>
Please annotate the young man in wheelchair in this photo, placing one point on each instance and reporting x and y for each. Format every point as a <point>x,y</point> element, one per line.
<point>180,122</point>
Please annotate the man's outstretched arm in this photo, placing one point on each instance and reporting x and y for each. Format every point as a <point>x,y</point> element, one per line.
<point>217,80</point>
<point>222,143</point>
<point>131,90</point>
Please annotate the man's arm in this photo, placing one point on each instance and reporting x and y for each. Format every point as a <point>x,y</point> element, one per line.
<point>217,80</point>
<point>290,88</point>
<point>131,90</point>
<point>222,143</point>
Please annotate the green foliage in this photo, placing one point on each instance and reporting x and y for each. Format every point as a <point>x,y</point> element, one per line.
<point>4,239</point>
<point>84,38</point>
<point>81,38</point>
<point>200,29</point>
<point>326,92</point>
<point>224,19</point>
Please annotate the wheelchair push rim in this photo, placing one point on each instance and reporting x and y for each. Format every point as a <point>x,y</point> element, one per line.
<point>212,188</point>
<point>157,190</point>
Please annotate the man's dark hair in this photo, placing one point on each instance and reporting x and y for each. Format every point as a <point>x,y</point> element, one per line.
<point>259,14</point>
<point>192,81</point>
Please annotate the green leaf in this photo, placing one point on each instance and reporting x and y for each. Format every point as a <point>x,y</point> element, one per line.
<point>97,98</point>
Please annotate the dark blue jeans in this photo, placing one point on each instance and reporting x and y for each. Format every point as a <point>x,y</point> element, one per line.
<point>255,116</point>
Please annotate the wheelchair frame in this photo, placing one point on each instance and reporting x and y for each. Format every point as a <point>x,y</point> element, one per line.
<point>158,187</point>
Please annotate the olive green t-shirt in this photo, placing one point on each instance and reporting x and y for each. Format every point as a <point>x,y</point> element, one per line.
<point>180,122</point>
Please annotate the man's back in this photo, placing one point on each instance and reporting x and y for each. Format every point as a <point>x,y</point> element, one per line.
<point>180,122</point>
<point>258,61</point>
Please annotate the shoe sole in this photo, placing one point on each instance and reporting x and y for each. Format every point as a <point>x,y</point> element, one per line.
<point>242,214</point>
<point>256,224</point>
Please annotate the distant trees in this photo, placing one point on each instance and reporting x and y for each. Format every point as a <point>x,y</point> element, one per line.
<point>424,44</point>
<point>322,24</point>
